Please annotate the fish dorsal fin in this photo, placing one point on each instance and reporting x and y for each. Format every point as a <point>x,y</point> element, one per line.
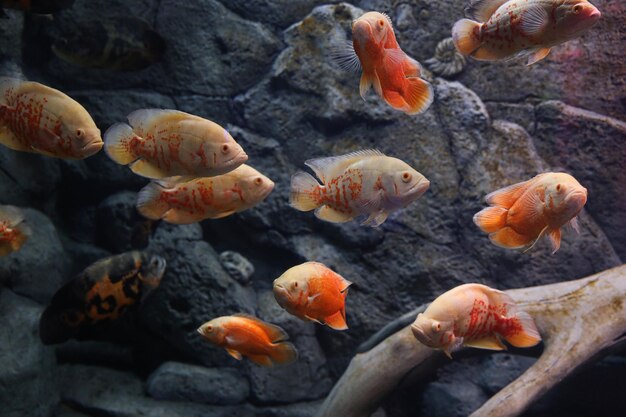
<point>275,333</point>
<point>329,167</point>
<point>388,19</point>
<point>507,196</point>
<point>489,342</point>
<point>148,117</point>
<point>482,10</point>
<point>344,284</point>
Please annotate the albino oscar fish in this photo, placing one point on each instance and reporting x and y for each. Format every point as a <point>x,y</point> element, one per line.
<point>39,119</point>
<point>13,231</point>
<point>396,77</point>
<point>166,143</point>
<point>312,291</point>
<point>477,316</point>
<point>504,29</point>
<point>362,183</point>
<point>188,202</point>
<point>522,213</point>
<point>243,335</point>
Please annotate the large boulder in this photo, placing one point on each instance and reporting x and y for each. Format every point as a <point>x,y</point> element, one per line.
<point>27,368</point>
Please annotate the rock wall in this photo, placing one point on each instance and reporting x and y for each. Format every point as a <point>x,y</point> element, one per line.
<point>264,70</point>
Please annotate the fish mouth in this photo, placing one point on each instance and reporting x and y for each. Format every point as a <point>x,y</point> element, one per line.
<point>281,294</point>
<point>420,335</point>
<point>92,148</point>
<point>362,30</point>
<point>419,188</point>
<point>238,159</point>
<point>578,197</point>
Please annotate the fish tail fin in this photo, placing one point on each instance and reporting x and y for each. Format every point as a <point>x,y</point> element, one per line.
<point>302,196</point>
<point>418,95</point>
<point>525,334</point>
<point>149,202</point>
<point>117,143</point>
<point>466,36</point>
<point>491,219</point>
<point>284,353</point>
<point>337,321</point>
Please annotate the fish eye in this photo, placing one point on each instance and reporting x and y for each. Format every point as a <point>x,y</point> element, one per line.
<point>258,180</point>
<point>225,148</point>
<point>406,177</point>
<point>294,285</point>
<point>436,327</point>
<point>79,132</point>
<point>381,23</point>
<point>209,328</point>
<point>558,187</point>
<point>578,8</point>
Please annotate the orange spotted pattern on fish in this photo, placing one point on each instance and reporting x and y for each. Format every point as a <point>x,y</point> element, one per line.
<point>362,183</point>
<point>243,335</point>
<point>477,316</point>
<point>39,119</point>
<point>204,198</point>
<point>312,291</point>
<point>165,143</point>
<point>13,231</point>
<point>504,29</point>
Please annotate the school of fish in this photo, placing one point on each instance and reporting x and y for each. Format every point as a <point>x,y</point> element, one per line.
<point>196,171</point>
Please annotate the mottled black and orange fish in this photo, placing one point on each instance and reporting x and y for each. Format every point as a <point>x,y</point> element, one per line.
<point>103,292</point>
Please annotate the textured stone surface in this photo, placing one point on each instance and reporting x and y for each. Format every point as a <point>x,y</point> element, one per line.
<point>41,266</point>
<point>237,266</point>
<point>176,381</point>
<point>27,378</point>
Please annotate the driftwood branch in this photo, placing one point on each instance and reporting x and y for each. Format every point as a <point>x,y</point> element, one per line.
<point>578,320</point>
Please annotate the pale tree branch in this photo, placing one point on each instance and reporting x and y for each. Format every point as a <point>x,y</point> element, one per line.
<point>578,320</point>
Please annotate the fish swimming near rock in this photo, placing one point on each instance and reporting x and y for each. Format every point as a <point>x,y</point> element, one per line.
<point>504,29</point>
<point>524,212</point>
<point>167,143</point>
<point>13,231</point>
<point>243,335</point>
<point>103,292</point>
<point>362,183</point>
<point>189,202</point>
<point>312,291</point>
<point>37,6</point>
<point>39,119</point>
<point>477,316</point>
<point>121,44</point>
<point>396,77</point>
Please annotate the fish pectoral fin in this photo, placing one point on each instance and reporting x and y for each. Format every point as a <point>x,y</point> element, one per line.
<point>376,219</point>
<point>575,225</point>
<point>262,360</point>
<point>538,55</point>
<point>331,215</point>
<point>235,354</point>
<point>337,321</point>
<point>489,342</point>
<point>345,57</point>
<point>365,84</point>
<point>555,238</point>
<point>533,21</point>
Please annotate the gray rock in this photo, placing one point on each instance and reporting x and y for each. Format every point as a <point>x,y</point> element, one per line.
<point>10,36</point>
<point>279,12</point>
<point>522,114</point>
<point>498,371</point>
<point>457,399</point>
<point>175,381</point>
<point>41,266</point>
<point>194,289</point>
<point>237,266</point>
<point>305,379</point>
<point>120,224</point>
<point>95,353</point>
<point>27,373</point>
<point>590,147</point>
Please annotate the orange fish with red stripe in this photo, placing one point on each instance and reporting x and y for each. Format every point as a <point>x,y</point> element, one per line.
<point>204,198</point>
<point>312,291</point>
<point>524,212</point>
<point>396,77</point>
<point>363,183</point>
<point>13,231</point>
<point>39,119</point>
<point>521,27</point>
<point>166,143</point>
<point>243,335</point>
<point>477,316</point>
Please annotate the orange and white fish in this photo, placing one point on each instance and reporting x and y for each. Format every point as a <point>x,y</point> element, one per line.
<point>204,198</point>
<point>312,291</point>
<point>39,119</point>
<point>13,231</point>
<point>527,27</point>
<point>166,143</point>
<point>360,183</point>
<point>477,316</point>
<point>394,75</point>
<point>242,335</point>
<point>524,212</point>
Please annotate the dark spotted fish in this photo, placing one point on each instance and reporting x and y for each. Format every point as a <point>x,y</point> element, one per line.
<point>123,44</point>
<point>104,291</point>
<point>37,6</point>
